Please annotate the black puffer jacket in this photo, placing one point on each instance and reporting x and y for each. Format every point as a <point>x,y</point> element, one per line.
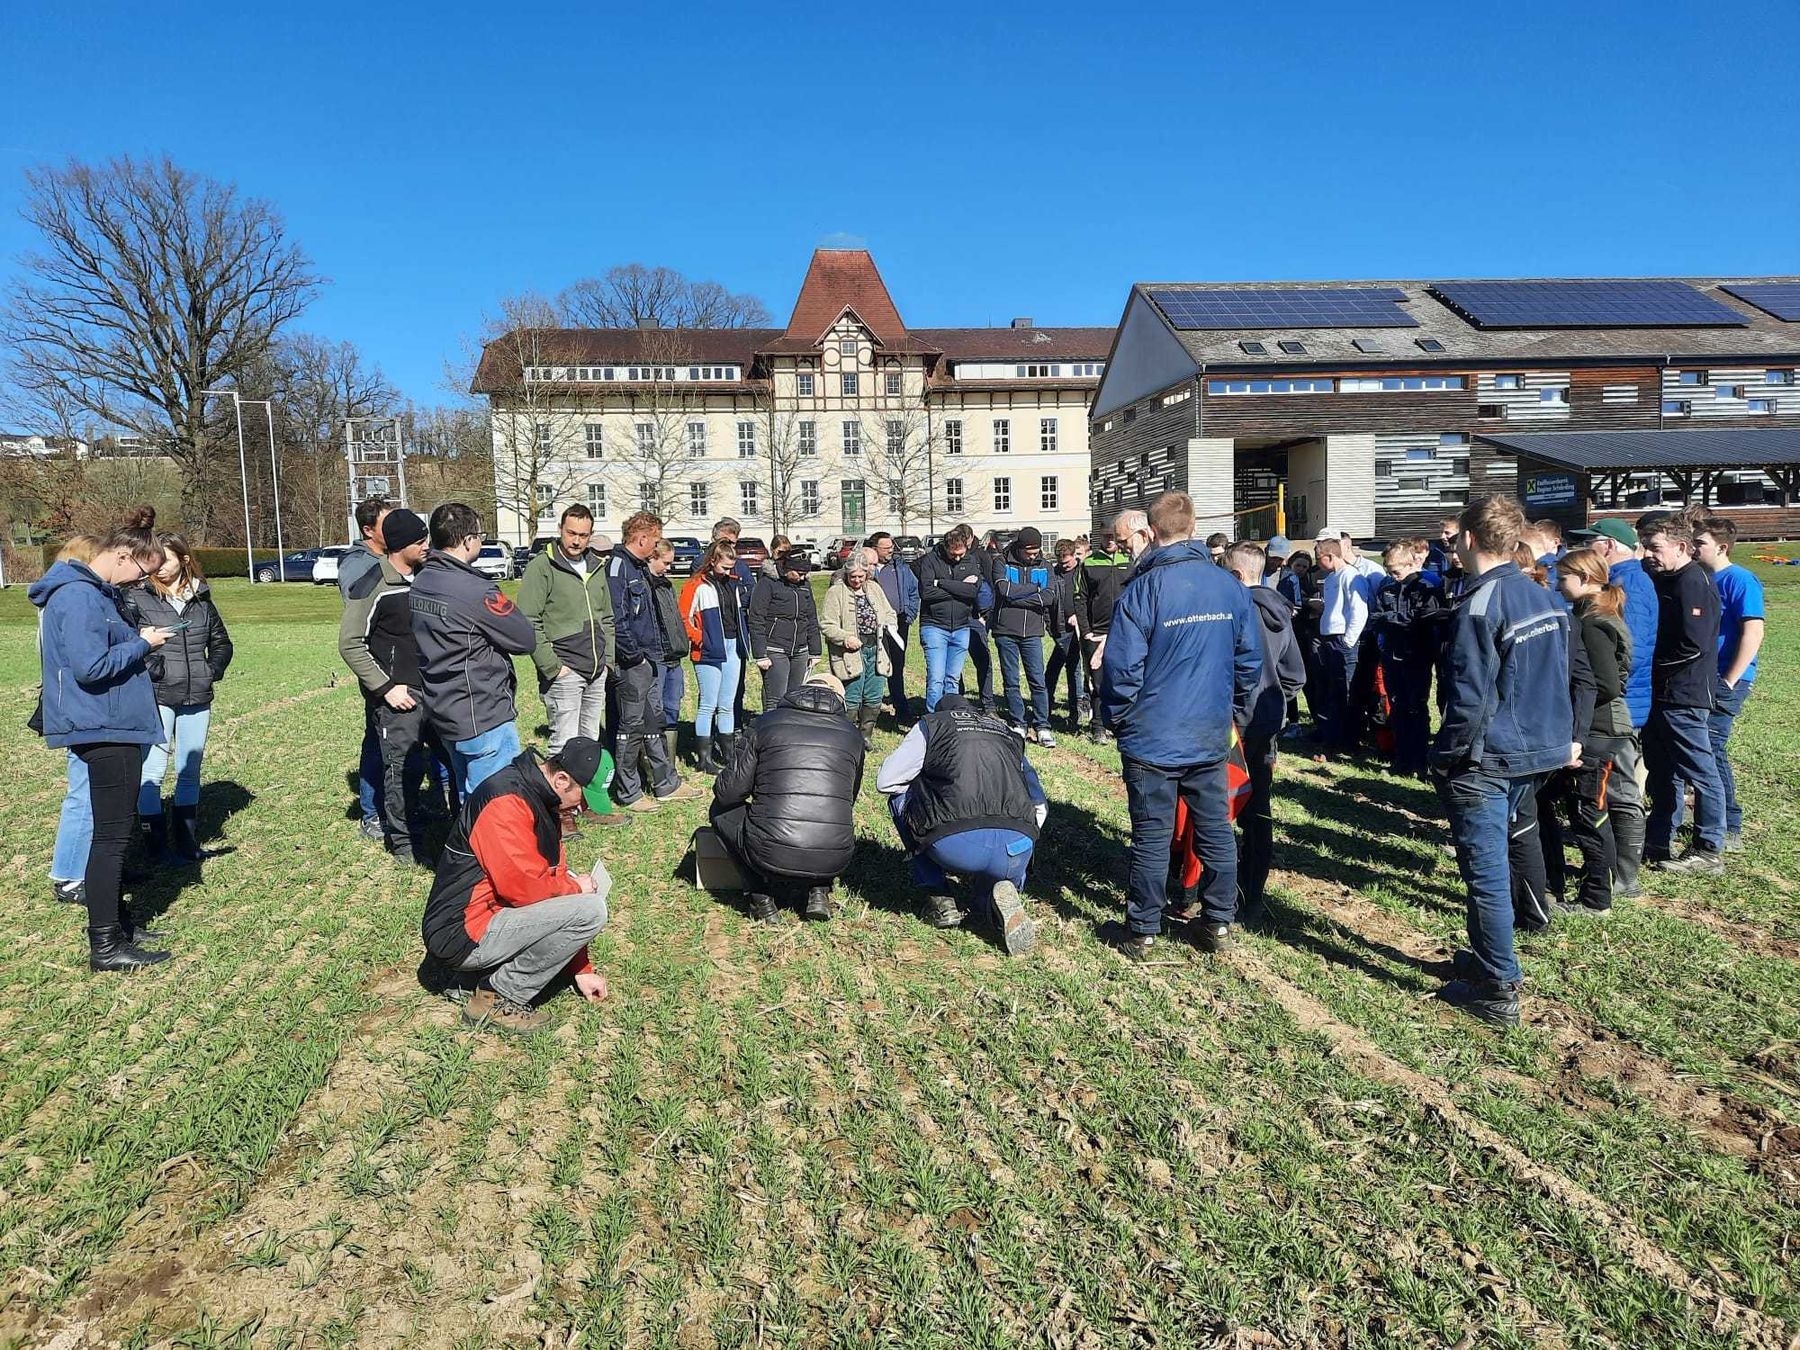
<point>946,600</point>
<point>800,767</point>
<point>783,618</point>
<point>185,668</point>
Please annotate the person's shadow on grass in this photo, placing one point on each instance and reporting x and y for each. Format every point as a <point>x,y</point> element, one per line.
<point>159,882</point>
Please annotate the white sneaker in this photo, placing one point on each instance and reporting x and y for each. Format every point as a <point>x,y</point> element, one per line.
<point>1020,733</point>
<point>1045,737</point>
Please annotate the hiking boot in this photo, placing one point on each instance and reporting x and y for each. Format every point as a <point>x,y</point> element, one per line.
<point>818,904</point>
<point>762,907</point>
<point>1097,734</point>
<point>1016,933</point>
<point>371,830</point>
<point>497,1010</point>
<point>69,892</point>
<point>109,949</point>
<point>1487,1001</point>
<point>684,792</point>
<point>1214,937</point>
<point>1734,841</point>
<point>1560,910</point>
<point>942,911</point>
<point>644,804</point>
<point>1046,738</point>
<point>1136,947</point>
<point>1701,862</point>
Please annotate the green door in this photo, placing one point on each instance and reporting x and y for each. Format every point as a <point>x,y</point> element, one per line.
<point>854,513</point>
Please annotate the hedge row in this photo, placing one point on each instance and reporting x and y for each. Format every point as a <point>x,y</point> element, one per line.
<point>215,562</point>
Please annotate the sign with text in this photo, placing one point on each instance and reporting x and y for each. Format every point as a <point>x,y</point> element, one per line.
<point>1547,491</point>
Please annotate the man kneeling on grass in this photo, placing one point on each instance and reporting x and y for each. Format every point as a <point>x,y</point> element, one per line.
<point>505,905</point>
<point>965,800</point>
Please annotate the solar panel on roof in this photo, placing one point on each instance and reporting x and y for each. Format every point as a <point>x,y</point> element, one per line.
<point>1316,307</point>
<point>1585,304</point>
<point>1780,298</point>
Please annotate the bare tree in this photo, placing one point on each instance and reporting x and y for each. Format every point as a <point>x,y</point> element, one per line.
<point>659,455</point>
<point>450,457</point>
<point>318,385</point>
<point>628,295</point>
<point>154,284</point>
<point>897,459</point>
<point>533,467</point>
<point>791,459</point>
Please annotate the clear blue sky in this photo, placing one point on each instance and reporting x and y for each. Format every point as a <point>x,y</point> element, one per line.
<point>1027,159</point>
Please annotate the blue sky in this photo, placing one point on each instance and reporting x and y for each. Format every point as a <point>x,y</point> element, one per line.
<point>1022,159</point>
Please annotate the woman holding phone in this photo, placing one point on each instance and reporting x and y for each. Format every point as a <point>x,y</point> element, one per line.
<point>98,702</point>
<point>176,597</point>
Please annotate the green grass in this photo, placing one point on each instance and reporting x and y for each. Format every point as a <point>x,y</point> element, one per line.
<point>871,1133</point>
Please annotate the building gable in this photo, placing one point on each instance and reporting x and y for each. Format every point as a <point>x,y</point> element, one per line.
<point>1146,357</point>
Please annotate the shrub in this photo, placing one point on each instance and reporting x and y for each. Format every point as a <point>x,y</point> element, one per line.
<point>215,562</point>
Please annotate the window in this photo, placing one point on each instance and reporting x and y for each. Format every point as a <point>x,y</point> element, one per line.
<point>809,496</point>
<point>1778,377</point>
<point>1047,435</point>
<point>1760,407</point>
<point>646,438</point>
<point>1509,381</point>
<point>896,502</point>
<point>546,500</point>
<point>1557,395</point>
<point>1179,396</point>
<point>1460,467</point>
<point>806,384</point>
<point>1384,468</point>
<point>1003,494</point>
<point>891,383</point>
<point>1728,391</point>
<point>1454,438</point>
<point>852,438</point>
<point>1130,416</point>
<point>1002,436</point>
<point>697,500</point>
<point>1271,386</point>
<point>1394,384</point>
<point>747,489</point>
<point>1047,493</point>
<point>953,436</point>
<point>1039,372</point>
<point>1691,377</point>
<point>808,436</point>
<point>1254,348</point>
<point>1412,484</point>
<point>1428,344</point>
<point>697,440</point>
<point>1087,369</point>
<point>596,440</point>
<point>647,497</point>
<point>896,440</point>
<point>1367,346</point>
<point>847,347</point>
<point>847,384</point>
<point>1292,348</point>
<point>1421,452</point>
<point>746,440</point>
<point>953,496</point>
<point>541,434</point>
<point>1493,411</point>
<point>596,498</point>
<point>1676,407</point>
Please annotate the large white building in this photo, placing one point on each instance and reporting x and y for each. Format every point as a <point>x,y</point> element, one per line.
<point>844,422</point>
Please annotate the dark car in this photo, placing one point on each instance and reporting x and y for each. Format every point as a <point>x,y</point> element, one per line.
<point>998,541</point>
<point>753,551</point>
<point>908,547</point>
<point>293,566</point>
<point>687,553</point>
<point>524,553</point>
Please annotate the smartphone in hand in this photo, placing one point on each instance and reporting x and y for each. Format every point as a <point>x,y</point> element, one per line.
<point>178,626</point>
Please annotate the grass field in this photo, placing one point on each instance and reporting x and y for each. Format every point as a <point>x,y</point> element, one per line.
<point>870,1133</point>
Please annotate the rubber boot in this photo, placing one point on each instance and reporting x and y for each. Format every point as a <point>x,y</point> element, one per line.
<point>185,836</point>
<point>110,950</point>
<point>723,743</point>
<point>156,838</point>
<point>865,723</point>
<point>1628,836</point>
<point>671,742</point>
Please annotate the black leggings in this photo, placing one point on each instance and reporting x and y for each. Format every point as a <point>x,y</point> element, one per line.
<point>113,773</point>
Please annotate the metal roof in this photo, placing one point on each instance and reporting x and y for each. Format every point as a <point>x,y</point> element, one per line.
<point>1686,448</point>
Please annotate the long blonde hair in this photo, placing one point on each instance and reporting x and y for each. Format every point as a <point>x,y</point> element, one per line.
<point>1590,567</point>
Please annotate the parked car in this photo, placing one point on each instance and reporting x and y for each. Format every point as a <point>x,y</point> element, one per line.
<point>292,567</point>
<point>687,553</point>
<point>839,549</point>
<point>752,550</point>
<point>494,561</point>
<point>325,566</point>
<point>908,547</point>
<point>524,553</point>
<point>998,541</point>
<point>931,542</point>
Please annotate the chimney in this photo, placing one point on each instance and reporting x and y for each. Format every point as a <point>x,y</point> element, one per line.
<point>649,325</point>
<point>1023,322</point>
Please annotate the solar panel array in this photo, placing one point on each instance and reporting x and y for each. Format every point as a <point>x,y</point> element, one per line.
<point>1780,298</point>
<point>1340,307</point>
<point>1585,304</point>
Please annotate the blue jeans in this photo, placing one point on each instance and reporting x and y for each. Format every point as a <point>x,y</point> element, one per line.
<point>674,687</point>
<point>718,692</point>
<point>1481,808</point>
<point>981,857</point>
<point>1029,652</point>
<point>481,757</point>
<point>1678,749</point>
<point>74,827</point>
<point>368,769</point>
<point>1151,794</point>
<point>184,731</point>
<point>1727,704</point>
<point>1337,676</point>
<point>945,651</point>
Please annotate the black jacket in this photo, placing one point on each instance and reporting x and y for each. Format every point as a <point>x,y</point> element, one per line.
<point>946,600</point>
<point>668,614</point>
<point>972,778</point>
<point>799,766</point>
<point>375,637</point>
<point>1283,670</point>
<point>468,633</point>
<point>1686,672</point>
<point>783,618</point>
<point>185,668</point>
<point>1103,576</point>
<point>1023,594</point>
<point>1409,619</point>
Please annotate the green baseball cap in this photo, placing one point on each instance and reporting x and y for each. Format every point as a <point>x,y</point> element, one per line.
<point>589,765</point>
<point>1613,529</point>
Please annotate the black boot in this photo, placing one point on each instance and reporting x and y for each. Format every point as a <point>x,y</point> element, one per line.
<point>110,950</point>
<point>723,743</point>
<point>818,904</point>
<point>704,760</point>
<point>136,933</point>
<point>156,839</point>
<point>865,723</point>
<point>942,911</point>
<point>763,907</point>
<point>184,834</point>
<point>1486,1000</point>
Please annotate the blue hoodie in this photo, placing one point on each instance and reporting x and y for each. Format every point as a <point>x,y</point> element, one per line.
<point>1184,656</point>
<point>96,686</point>
<point>1641,611</point>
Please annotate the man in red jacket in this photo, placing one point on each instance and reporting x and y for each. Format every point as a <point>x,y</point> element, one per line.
<point>505,904</point>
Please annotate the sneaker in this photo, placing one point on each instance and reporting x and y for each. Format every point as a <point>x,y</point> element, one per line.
<point>1016,933</point>
<point>70,892</point>
<point>1133,946</point>
<point>762,907</point>
<point>1021,733</point>
<point>485,1006</point>
<point>1560,910</point>
<point>942,911</point>
<point>371,830</point>
<point>1046,738</point>
<point>1097,734</point>
<point>1696,862</point>
<point>818,904</point>
<point>1487,1001</point>
<point>684,792</point>
<point>644,805</point>
<point>1214,937</point>
<point>1734,841</point>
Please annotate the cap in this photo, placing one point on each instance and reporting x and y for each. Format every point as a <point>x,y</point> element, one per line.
<point>826,680</point>
<point>1326,533</point>
<point>589,765</point>
<point>795,560</point>
<point>400,529</point>
<point>1030,538</point>
<point>1278,546</point>
<point>1612,528</point>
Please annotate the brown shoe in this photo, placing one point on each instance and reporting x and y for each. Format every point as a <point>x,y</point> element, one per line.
<point>610,818</point>
<point>684,792</point>
<point>497,1010</point>
<point>645,803</point>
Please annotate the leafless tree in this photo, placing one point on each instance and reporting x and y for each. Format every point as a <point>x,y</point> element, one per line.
<point>652,454</point>
<point>897,459</point>
<point>317,385</point>
<point>534,467</point>
<point>791,456</point>
<point>627,295</point>
<point>450,457</point>
<point>153,284</point>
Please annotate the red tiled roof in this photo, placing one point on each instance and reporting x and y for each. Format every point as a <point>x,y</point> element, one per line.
<point>1017,344</point>
<point>837,279</point>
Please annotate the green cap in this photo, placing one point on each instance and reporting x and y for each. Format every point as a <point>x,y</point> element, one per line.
<point>1613,529</point>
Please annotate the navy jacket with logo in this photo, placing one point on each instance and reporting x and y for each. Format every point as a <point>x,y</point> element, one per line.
<point>1507,675</point>
<point>1184,656</point>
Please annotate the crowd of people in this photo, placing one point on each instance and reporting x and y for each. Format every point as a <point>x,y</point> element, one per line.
<point>1590,688</point>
